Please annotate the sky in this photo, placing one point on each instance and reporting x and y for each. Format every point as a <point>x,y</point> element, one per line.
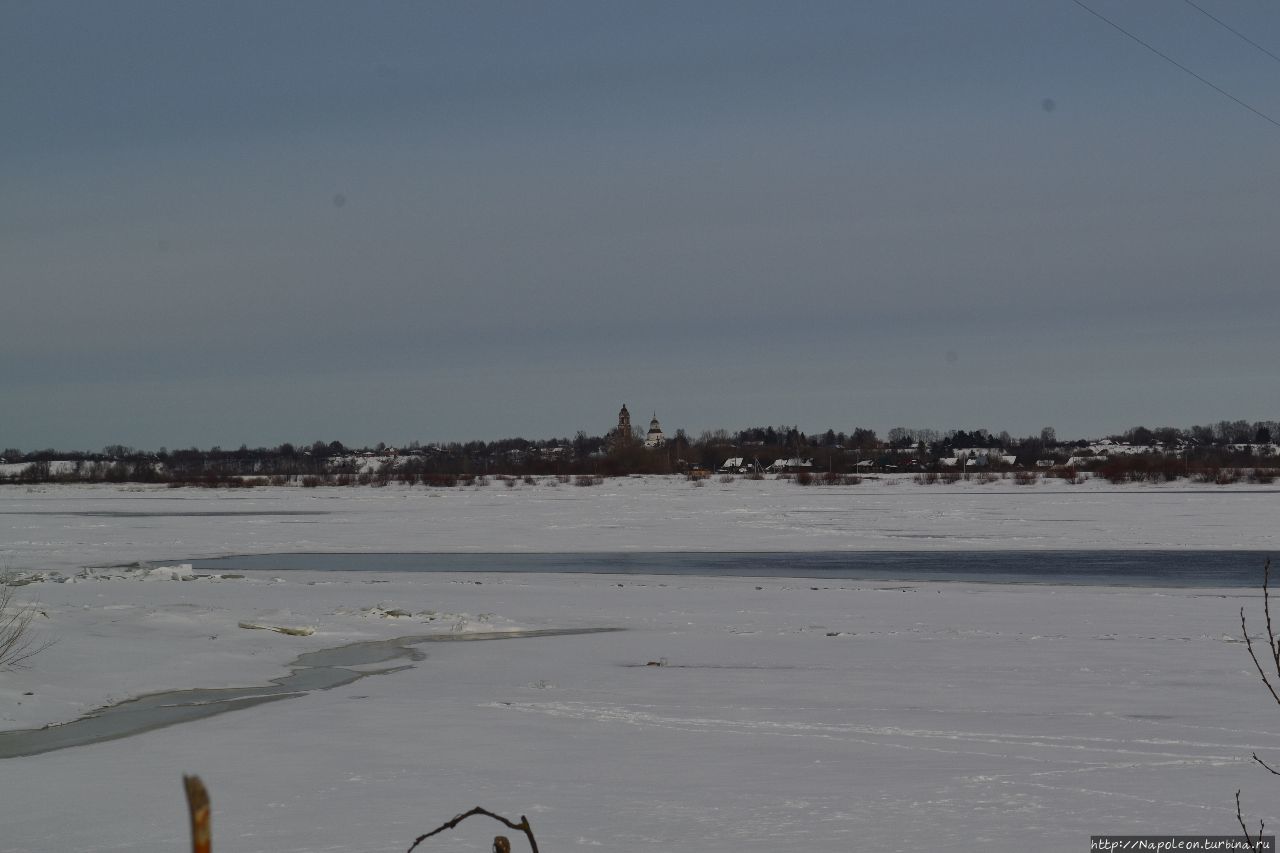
<point>250,223</point>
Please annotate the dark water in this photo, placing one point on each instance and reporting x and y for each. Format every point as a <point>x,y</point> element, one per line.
<point>1093,568</point>
<point>324,669</point>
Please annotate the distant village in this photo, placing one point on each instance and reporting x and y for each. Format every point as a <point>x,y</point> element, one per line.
<point>1222,452</point>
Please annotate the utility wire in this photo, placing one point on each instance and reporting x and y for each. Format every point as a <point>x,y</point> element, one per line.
<point>1175,63</point>
<point>1231,29</point>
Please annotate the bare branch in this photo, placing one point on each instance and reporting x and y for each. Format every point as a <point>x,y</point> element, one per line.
<point>1266,608</point>
<point>1261,672</point>
<point>1271,769</point>
<point>523,826</point>
<point>1255,844</point>
<point>1274,647</point>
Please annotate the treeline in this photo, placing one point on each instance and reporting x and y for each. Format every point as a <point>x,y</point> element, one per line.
<point>1137,453</point>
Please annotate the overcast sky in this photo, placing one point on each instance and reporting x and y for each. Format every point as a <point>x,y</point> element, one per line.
<point>226,223</point>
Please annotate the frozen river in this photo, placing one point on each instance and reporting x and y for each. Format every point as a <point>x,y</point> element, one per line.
<point>66,527</point>
<point>758,713</point>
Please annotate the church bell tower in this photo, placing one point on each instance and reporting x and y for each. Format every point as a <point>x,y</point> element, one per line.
<point>624,425</point>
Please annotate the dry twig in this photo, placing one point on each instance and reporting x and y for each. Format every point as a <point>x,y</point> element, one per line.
<point>500,844</point>
<point>1270,769</point>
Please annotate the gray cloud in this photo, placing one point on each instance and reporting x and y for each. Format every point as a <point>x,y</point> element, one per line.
<point>735,213</point>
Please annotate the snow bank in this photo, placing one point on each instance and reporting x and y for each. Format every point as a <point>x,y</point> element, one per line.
<point>788,716</point>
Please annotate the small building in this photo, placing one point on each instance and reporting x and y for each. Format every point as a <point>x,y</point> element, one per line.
<point>793,464</point>
<point>977,457</point>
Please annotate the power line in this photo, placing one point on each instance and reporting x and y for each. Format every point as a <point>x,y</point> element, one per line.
<point>1231,29</point>
<point>1176,64</point>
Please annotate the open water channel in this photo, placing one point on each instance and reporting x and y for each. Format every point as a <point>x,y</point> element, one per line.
<point>1165,568</point>
<point>318,670</point>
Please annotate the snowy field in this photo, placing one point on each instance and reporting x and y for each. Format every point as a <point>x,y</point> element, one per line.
<point>851,716</point>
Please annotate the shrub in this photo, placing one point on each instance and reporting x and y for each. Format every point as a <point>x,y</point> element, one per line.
<point>17,643</point>
<point>1114,470</point>
<point>1025,478</point>
<point>587,480</point>
<point>1167,468</point>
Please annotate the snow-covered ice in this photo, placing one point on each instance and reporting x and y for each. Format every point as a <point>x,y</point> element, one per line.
<point>853,715</point>
<point>66,527</point>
